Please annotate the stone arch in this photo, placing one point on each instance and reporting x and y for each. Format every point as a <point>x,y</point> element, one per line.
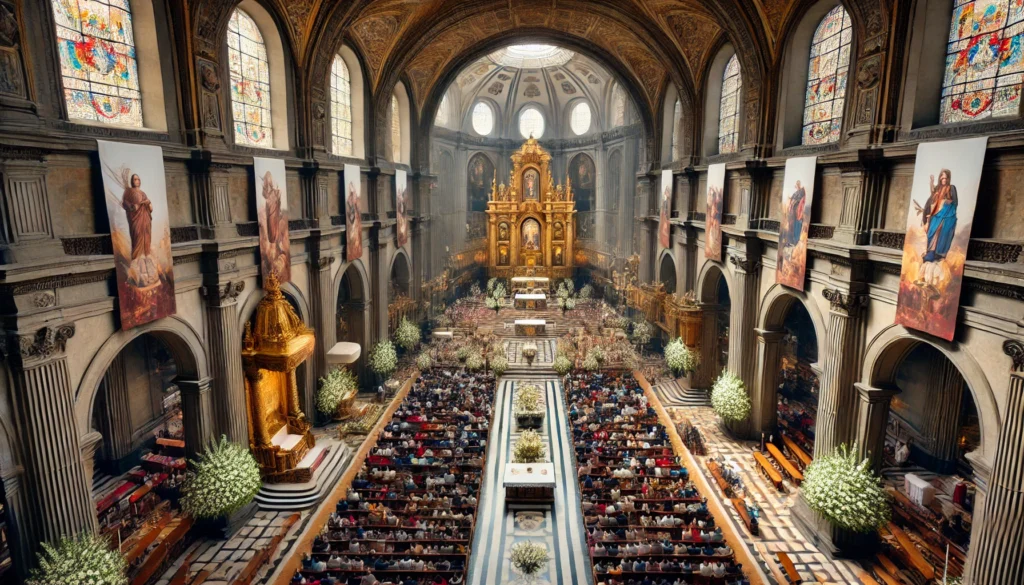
<point>291,292</point>
<point>717,317</point>
<point>713,101</point>
<point>667,271</point>
<point>400,272</point>
<point>775,306</point>
<point>358,92</point>
<point>184,343</point>
<point>712,276</point>
<point>358,270</point>
<point>887,350</point>
<point>352,308</point>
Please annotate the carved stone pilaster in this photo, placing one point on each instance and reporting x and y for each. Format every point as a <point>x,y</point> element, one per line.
<point>211,204</point>
<point>116,416</point>
<point>742,322</point>
<point>840,367</point>
<point>864,186</point>
<point>225,357</point>
<point>314,195</point>
<point>26,229</point>
<point>872,418</point>
<point>322,315</point>
<point>197,411</point>
<point>764,400</point>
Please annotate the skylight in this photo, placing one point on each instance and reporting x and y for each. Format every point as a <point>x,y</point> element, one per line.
<point>531,56</point>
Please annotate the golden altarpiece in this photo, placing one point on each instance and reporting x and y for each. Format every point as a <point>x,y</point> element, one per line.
<point>531,223</point>
<point>279,434</point>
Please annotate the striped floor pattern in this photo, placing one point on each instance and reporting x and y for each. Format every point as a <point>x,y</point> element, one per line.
<point>672,393</point>
<point>560,527</point>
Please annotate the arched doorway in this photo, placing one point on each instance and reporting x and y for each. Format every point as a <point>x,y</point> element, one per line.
<point>716,304</point>
<point>667,273</point>
<point>351,312</point>
<point>796,400</point>
<point>398,283</point>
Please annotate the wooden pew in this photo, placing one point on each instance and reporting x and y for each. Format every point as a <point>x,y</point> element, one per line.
<point>787,565</point>
<point>264,555</point>
<point>748,521</point>
<point>716,472</point>
<point>866,578</point>
<point>884,575</point>
<point>913,555</point>
<point>801,456</point>
<point>787,466</point>
<point>768,470</point>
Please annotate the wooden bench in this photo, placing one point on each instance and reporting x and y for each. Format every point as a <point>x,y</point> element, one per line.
<point>801,456</point>
<point>770,473</point>
<point>866,578</point>
<point>748,521</point>
<point>884,575</point>
<point>787,466</point>
<point>792,575</point>
<point>716,472</point>
<point>913,555</point>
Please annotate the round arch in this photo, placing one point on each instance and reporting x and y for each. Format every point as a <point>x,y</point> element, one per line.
<point>711,277</point>
<point>887,350</point>
<point>363,279</point>
<point>289,289</point>
<point>181,339</point>
<point>775,306</point>
<point>668,271</point>
<point>401,263</point>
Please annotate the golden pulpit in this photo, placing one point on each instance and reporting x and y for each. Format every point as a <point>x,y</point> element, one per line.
<point>279,434</point>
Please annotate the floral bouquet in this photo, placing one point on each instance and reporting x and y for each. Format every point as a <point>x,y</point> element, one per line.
<point>846,492</point>
<point>529,557</point>
<point>224,479</point>
<point>729,398</point>
<point>529,448</point>
<point>407,335</point>
<point>84,560</point>
<point>334,388</point>
<point>384,359</point>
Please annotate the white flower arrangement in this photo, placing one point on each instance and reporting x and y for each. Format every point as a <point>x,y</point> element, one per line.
<point>475,361</point>
<point>529,448</point>
<point>587,291</point>
<point>729,398</point>
<point>590,363</point>
<point>528,399</point>
<point>384,358</point>
<point>499,363</point>
<point>84,560</point>
<point>680,358</point>
<point>424,361</point>
<point>225,478</point>
<point>562,365</point>
<point>474,290</point>
<point>597,353</point>
<point>846,492</point>
<point>492,303</point>
<point>528,557</point>
<point>642,332</point>
<point>338,383</point>
<point>407,335</point>
<point>462,354</point>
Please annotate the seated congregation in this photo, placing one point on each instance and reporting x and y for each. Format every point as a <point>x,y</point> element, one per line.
<point>409,514</point>
<point>646,522</point>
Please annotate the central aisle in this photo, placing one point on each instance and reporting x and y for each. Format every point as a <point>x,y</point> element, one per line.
<point>560,528</point>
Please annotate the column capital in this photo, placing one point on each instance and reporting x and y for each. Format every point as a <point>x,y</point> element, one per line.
<point>194,386</point>
<point>223,294</point>
<point>873,395</point>
<point>744,263</point>
<point>1015,349</point>
<point>845,303</point>
<point>769,336</point>
<point>27,348</point>
<point>89,443</point>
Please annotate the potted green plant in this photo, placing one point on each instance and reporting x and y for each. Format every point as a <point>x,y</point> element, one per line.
<point>475,361</point>
<point>338,384</point>
<point>86,559</point>
<point>424,361</point>
<point>729,398</point>
<point>219,489</point>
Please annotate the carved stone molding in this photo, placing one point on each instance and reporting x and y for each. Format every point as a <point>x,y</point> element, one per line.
<point>886,239</point>
<point>209,76</point>
<point>299,224</point>
<point>748,265</point>
<point>324,262</point>
<point>847,303</point>
<point>770,225</point>
<point>187,233</point>
<point>44,343</point>
<point>43,299</point>
<point>820,231</point>
<point>62,281</point>
<point>995,288</point>
<point>99,245</point>
<point>1015,349</point>
<point>223,293</point>
<point>996,252</point>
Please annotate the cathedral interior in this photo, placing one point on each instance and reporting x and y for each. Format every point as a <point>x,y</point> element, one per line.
<point>446,292</point>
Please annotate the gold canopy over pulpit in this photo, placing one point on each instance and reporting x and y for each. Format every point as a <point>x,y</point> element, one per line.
<point>279,434</point>
<point>531,225</point>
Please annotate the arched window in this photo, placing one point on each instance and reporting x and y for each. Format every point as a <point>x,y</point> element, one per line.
<point>97,61</point>
<point>984,60</point>
<point>579,119</point>
<point>531,123</point>
<point>250,82</point>
<point>396,131</point>
<point>618,106</point>
<point>443,112</point>
<point>677,118</point>
<point>826,78</point>
<point>341,108</point>
<point>483,119</point>
<point>728,110</point>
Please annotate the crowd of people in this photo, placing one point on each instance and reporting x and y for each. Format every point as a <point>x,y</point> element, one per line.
<point>646,522</point>
<point>408,517</point>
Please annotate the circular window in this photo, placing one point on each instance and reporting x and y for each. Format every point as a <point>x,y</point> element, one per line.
<point>531,123</point>
<point>483,119</point>
<point>579,120</point>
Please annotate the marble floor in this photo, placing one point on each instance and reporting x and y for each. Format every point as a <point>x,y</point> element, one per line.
<point>559,527</point>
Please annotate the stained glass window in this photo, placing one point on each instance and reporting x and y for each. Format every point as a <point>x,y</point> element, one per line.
<point>341,108</point>
<point>443,112</point>
<point>728,109</point>
<point>827,73</point>
<point>531,123</point>
<point>250,82</point>
<point>579,120</point>
<point>677,118</point>
<point>97,61</point>
<point>984,60</point>
<point>483,119</point>
<point>396,131</point>
<point>618,106</point>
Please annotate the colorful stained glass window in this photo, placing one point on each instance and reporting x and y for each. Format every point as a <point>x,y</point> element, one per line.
<point>984,60</point>
<point>396,131</point>
<point>618,106</point>
<point>341,108</point>
<point>827,74</point>
<point>677,118</point>
<point>443,112</point>
<point>250,82</point>
<point>579,120</point>
<point>97,61</point>
<point>729,108</point>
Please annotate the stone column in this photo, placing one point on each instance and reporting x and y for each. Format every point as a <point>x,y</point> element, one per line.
<point>865,182</point>
<point>323,311</point>
<point>998,542</point>
<point>839,371</point>
<point>314,194</point>
<point>942,415</point>
<point>707,371</point>
<point>765,410</point>
<point>872,419</point>
<point>742,321</point>
<point>197,413</point>
<point>116,423</point>
<point>56,486</point>
<point>90,443</point>
<point>17,518</point>
<point>225,354</point>
<point>982,479</point>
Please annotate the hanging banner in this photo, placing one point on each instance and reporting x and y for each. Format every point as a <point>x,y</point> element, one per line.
<point>353,188</point>
<point>797,195</point>
<point>939,218</point>
<point>713,215</point>
<point>272,212</point>
<point>136,197</point>
<point>400,206</point>
<point>666,209</point>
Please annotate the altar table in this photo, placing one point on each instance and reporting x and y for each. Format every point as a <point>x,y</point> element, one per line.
<point>530,327</point>
<point>530,301</point>
<point>530,283</point>
<point>529,482</point>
